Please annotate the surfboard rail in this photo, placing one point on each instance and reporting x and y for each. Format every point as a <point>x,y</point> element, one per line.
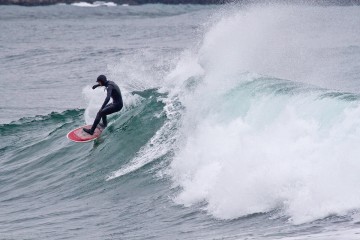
<point>78,134</point>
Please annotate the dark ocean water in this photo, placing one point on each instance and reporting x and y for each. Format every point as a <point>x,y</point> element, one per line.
<point>240,122</point>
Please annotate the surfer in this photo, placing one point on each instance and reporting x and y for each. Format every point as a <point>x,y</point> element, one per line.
<point>113,91</point>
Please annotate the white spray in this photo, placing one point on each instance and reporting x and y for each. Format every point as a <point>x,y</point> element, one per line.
<point>245,149</point>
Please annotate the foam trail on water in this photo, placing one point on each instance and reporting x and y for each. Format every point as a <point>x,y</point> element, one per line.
<point>159,145</point>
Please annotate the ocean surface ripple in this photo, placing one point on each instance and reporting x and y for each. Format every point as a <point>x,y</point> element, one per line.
<point>240,122</point>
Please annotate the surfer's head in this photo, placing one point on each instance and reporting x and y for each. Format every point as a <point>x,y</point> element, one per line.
<point>101,80</point>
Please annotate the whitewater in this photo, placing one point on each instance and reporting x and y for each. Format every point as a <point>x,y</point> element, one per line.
<point>239,122</point>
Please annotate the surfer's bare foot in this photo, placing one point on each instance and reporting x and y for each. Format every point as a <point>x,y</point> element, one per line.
<point>88,131</point>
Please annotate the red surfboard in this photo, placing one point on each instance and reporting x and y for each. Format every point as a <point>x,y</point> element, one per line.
<point>78,134</point>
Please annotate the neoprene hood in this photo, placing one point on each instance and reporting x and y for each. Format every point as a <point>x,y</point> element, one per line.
<point>102,79</point>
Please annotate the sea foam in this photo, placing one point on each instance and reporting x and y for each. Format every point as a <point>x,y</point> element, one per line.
<point>95,4</point>
<point>252,143</point>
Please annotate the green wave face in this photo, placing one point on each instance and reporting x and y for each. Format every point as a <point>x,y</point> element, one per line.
<point>152,154</point>
<point>41,167</point>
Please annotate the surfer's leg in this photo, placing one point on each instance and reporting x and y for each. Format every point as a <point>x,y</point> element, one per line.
<point>109,109</point>
<point>106,111</point>
<point>104,120</point>
<point>96,122</point>
<point>103,115</point>
<point>92,130</point>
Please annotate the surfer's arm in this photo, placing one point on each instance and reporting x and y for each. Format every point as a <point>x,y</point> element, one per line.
<point>95,86</point>
<point>107,99</point>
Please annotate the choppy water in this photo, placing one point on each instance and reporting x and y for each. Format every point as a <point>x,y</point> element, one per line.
<point>240,122</point>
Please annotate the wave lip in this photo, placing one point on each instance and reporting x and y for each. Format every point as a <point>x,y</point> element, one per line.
<point>283,148</point>
<point>280,140</point>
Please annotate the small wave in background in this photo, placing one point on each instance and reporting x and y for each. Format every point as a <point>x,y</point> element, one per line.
<point>95,4</point>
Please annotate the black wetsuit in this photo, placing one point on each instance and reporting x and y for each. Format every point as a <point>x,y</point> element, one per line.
<point>113,91</point>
